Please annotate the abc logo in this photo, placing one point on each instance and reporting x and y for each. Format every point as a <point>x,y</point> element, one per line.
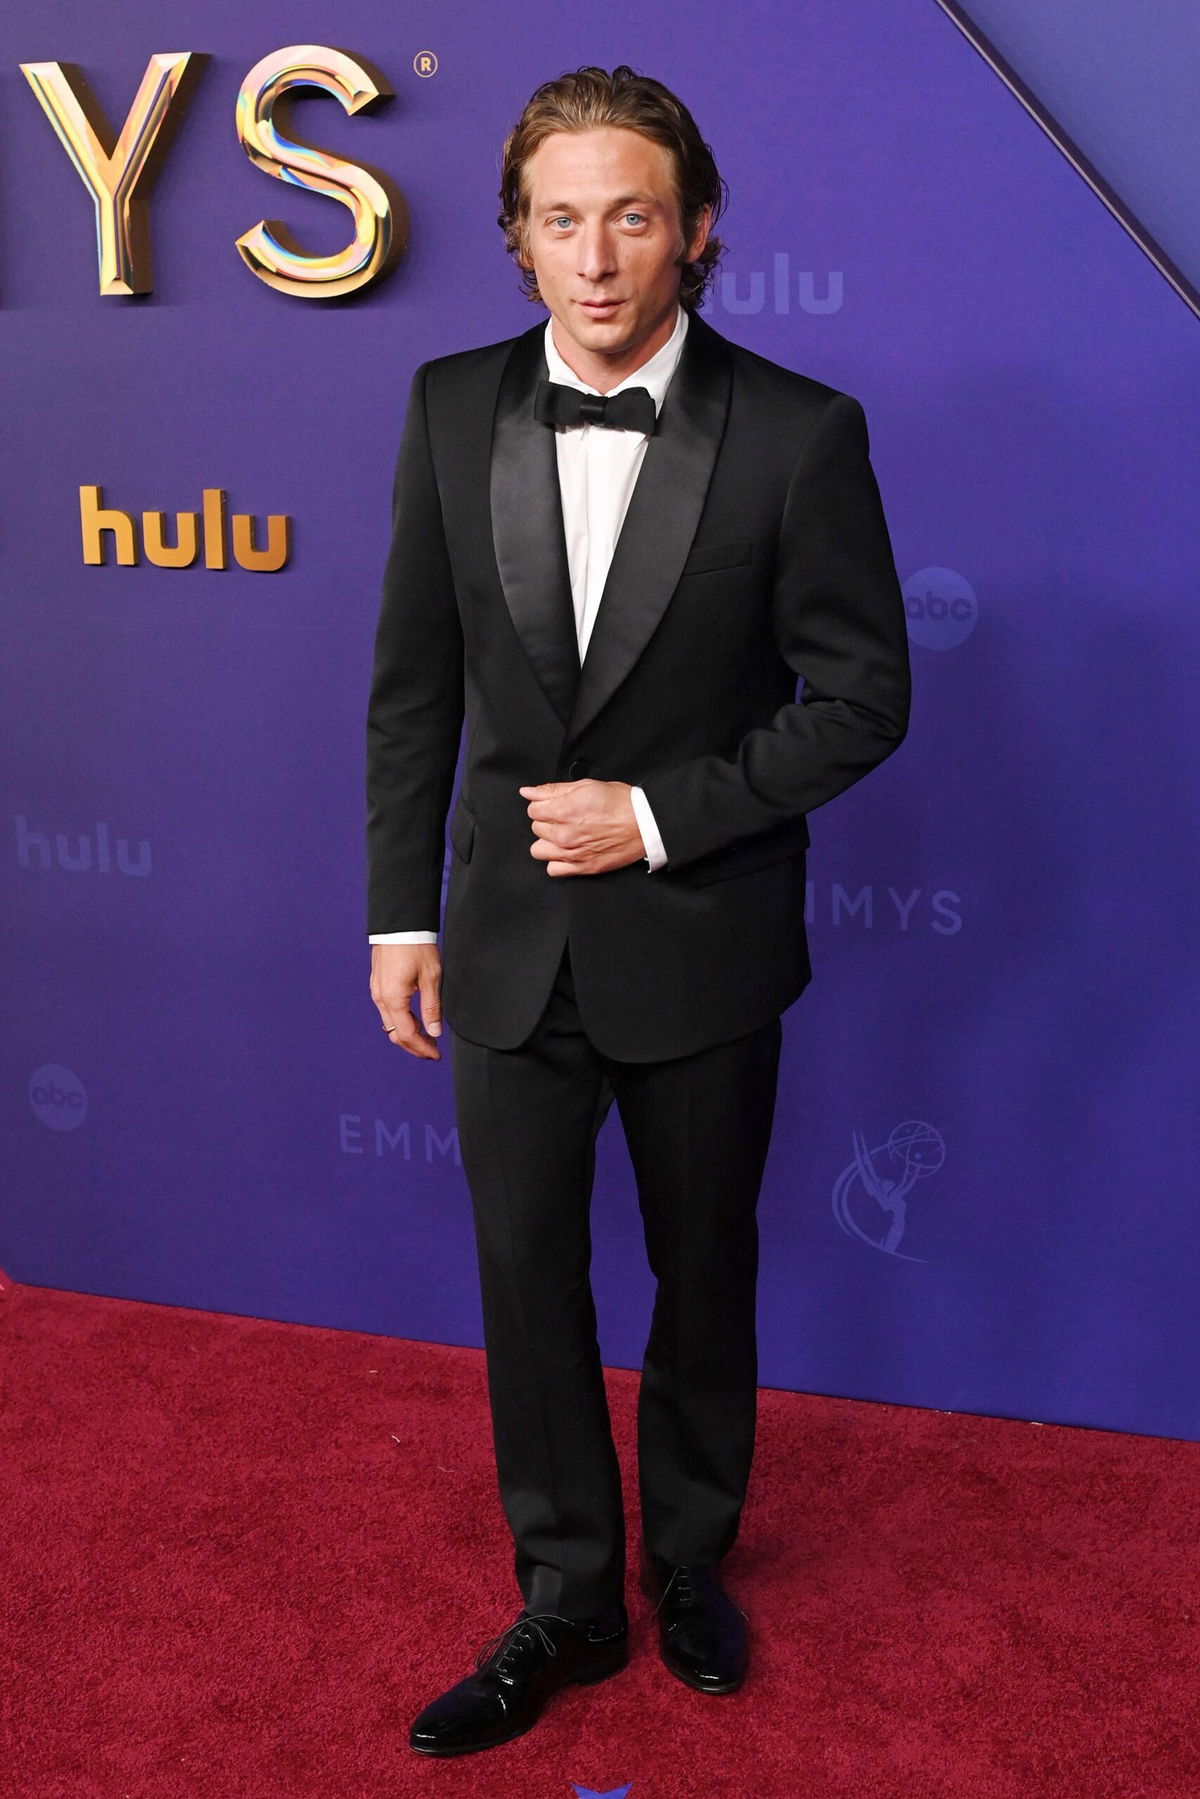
<point>940,608</point>
<point>57,1097</point>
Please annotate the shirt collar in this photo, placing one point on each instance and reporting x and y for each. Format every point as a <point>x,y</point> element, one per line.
<point>654,375</point>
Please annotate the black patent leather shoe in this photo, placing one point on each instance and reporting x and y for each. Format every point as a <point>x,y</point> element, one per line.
<point>702,1634</point>
<point>516,1675</point>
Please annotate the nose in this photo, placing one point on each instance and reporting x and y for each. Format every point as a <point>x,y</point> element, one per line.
<point>595,252</point>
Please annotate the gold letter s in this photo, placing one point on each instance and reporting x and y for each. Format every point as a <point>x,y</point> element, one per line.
<point>376,205</point>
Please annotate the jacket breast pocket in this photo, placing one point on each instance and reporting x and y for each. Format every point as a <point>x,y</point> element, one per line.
<point>462,832</point>
<point>706,558</point>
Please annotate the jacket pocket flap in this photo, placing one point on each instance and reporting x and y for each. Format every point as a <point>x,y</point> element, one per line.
<point>705,557</point>
<point>462,832</point>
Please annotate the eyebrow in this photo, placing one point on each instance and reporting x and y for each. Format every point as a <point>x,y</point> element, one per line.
<point>614,206</point>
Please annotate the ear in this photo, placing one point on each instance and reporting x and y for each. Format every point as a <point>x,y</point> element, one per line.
<point>699,236</point>
<point>521,254</point>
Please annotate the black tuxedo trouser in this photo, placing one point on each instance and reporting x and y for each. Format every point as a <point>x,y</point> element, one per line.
<point>697,1128</point>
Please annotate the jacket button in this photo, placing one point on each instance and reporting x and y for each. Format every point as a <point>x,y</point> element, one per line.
<point>579,771</point>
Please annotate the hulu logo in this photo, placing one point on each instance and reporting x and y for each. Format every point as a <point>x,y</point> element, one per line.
<point>208,530</point>
<point>80,852</point>
<point>784,289</point>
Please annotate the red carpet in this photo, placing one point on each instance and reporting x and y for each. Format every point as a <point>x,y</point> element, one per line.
<point>240,1555</point>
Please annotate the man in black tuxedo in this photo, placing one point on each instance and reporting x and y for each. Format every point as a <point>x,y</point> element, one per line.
<point>620,543</point>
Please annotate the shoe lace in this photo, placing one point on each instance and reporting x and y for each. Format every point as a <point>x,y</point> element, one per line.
<point>682,1584</point>
<point>508,1643</point>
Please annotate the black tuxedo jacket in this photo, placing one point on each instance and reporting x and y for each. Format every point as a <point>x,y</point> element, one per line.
<point>754,556</point>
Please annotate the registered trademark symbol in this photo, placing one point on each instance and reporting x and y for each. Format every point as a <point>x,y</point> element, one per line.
<point>425,63</point>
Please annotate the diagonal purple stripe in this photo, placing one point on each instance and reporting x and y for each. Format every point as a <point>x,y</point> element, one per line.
<point>1104,191</point>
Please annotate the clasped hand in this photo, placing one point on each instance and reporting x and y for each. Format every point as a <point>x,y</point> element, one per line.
<point>583,827</point>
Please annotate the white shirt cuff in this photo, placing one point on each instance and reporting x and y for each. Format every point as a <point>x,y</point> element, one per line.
<point>652,843</point>
<point>403,937</point>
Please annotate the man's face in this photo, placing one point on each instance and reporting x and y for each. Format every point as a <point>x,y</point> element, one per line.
<point>605,242</point>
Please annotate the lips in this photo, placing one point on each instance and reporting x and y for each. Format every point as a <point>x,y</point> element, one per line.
<point>599,308</point>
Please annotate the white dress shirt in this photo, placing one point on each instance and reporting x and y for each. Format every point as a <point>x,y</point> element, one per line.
<point>597,471</point>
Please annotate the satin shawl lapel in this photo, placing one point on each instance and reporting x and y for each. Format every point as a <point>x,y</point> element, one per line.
<point>527,527</point>
<point>661,521</point>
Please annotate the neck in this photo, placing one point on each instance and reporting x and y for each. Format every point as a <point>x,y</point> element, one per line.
<point>604,371</point>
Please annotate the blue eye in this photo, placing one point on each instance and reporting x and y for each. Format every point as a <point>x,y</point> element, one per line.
<point>639,218</point>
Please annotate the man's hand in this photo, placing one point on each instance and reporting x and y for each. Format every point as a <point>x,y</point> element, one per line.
<point>583,827</point>
<point>398,970</point>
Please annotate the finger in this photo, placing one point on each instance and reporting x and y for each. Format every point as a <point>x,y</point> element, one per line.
<point>544,849</point>
<point>565,868</point>
<point>431,1004</point>
<point>560,806</point>
<point>555,792</point>
<point>556,831</point>
<point>403,1032</point>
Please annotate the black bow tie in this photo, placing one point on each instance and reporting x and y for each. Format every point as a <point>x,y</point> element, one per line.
<point>632,410</point>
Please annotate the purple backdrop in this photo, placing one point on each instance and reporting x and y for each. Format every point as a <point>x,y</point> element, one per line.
<point>202,1107</point>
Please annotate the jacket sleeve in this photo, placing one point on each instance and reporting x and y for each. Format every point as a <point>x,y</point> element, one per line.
<point>839,624</point>
<point>415,711</point>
